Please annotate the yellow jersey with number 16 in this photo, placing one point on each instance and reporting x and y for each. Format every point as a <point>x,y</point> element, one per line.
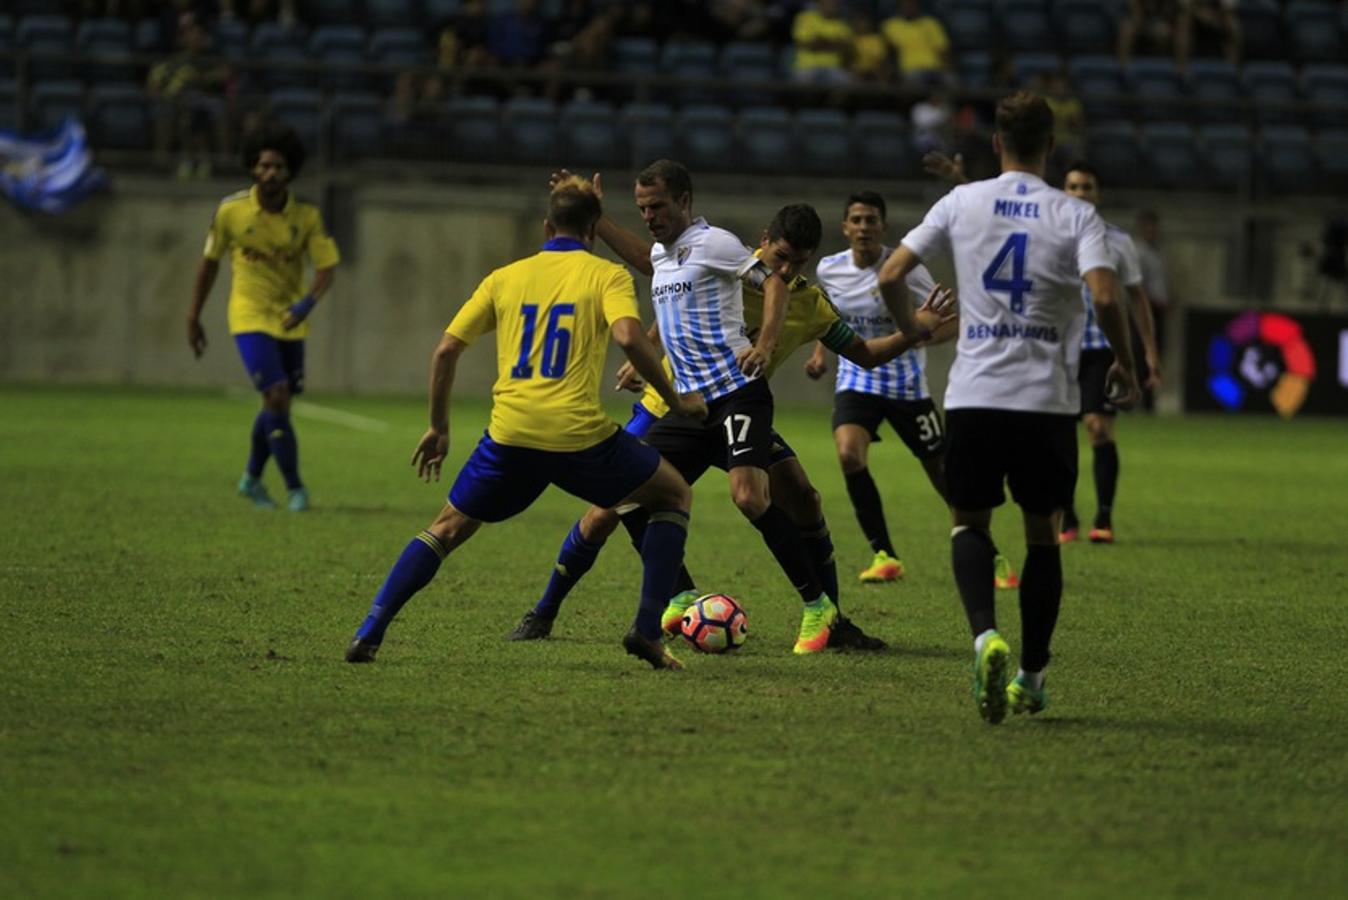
<point>551,312</point>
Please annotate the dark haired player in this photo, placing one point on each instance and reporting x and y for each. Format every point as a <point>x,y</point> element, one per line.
<point>268,233</point>
<point>1020,250</point>
<point>785,247</point>
<point>895,392</point>
<point>553,313</point>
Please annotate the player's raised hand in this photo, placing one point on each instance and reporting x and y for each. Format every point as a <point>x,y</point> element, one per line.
<point>196,336</point>
<point>752,361</point>
<point>628,379</point>
<point>561,175</point>
<point>1121,388</point>
<point>430,454</point>
<point>950,168</point>
<point>816,367</point>
<point>692,405</point>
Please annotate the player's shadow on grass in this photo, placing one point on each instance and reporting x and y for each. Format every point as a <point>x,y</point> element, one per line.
<point>1215,729</point>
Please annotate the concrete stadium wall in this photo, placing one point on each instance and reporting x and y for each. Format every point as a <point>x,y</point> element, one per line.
<point>100,296</point>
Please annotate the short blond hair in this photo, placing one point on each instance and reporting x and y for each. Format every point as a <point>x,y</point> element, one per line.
<point>574,207</point>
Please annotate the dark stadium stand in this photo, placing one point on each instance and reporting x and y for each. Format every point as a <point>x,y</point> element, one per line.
<point>1274,121</point>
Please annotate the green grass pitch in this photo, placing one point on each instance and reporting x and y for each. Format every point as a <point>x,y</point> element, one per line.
<point>178,721</point>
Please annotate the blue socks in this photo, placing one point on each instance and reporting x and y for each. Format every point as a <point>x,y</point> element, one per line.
<point>281,441</point>
<point>412,572</point>
<point>575,559</point>
<point>259,450</point>
<point>661,559</point>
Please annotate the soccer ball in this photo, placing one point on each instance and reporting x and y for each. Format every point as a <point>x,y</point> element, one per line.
<point>715,623</point>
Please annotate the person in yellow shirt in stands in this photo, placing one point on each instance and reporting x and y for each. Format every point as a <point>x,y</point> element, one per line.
<point>823,40</point>
<point>920,42</point>
<point>268,233</point>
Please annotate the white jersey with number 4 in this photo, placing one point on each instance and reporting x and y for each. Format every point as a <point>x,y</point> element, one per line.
<point>855,293</point>
<point>699,304</point>
<point>1020,249</point>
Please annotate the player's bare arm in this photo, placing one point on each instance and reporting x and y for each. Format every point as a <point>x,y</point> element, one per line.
<point>628,335</point>
<point>201,289</point>
<point>630,247</point>
<point>894,289</point>
<point>1140,305</point>
<point>434,444</point>
<point>939,311</point>
<point>1105,295</point>
<point>301,310</point>
<point>816,367</point>
<point>947,168</point>
<point>627,378</point>
<point>776,297</point>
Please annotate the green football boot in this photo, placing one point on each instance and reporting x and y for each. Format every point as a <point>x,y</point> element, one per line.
<point>255,490</point>
<point>1023,698</point>
<point>671,620</point>
<point>990,679</point>
<point>298,500</point>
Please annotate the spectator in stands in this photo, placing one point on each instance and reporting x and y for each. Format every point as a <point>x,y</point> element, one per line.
<point>1207,28</point>
<point>933,123</point>
<point>823,41</point>
<point>518,38</point>
<point>1069,119</point>
<point>642,19</point>
<point>920,43</point>
<point>1149,26</point>
<point>254,12</point>
<point>581,35</point>
<point>870,52</point>
<point>190,90</point>
<point>740,20</point>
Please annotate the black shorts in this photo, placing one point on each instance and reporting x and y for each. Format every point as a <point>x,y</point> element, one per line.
<point>737,432</point>
<point>1036,453</point>
<point>1094,380</point>
<point>918,422</point>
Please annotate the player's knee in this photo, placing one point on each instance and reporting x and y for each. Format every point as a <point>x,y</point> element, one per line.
<point>277,398</point>
<point>851,459</point>
<point>750,500</point>
<point>598,524</point>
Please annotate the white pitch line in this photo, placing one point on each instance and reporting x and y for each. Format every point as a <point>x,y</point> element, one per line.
<point>338,417</point>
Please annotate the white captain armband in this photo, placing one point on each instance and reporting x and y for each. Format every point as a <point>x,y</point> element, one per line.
<point>756,275</point>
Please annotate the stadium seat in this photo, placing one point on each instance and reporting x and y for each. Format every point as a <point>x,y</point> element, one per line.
<point>390,13</point>
<point>1084,26</point>
<point>230,38</point>
<point>1326,86</point>
<point>52,101</point>
<point>357,125</point>
<point>880,140</point>
<point>436,13</point>
<point>399,47</point>
<point>119,116</point>
<point>634,55</point>
<point>1029,67</point>
<point>1026,26</point>
<point>706,136</point>
<point>475,128</point>
<point>1313,32</point>
<point>1098,81</point>
<point>975,70</point>
<point>1229,153</point>
<point>1261,30</point>
<point>969,24</point>
<point>1287,158</point>
<point>9,104</point>
<point>1272,86</point>
<point>301,109</point>
<point>766,140</point>
<point>825,138</point>
<point>1215,87</point>
<point>1115,151</point>
<point>750,62</point>
<point>1172,154</point>
<point>1331,151</point>
<point>649,130</point>
<point>285,66</point>
<point>1155,81</point>
<point>46,34</point>
<point>529,125</point>
<point>591,132</point>
<point>340,48</point>
<point>327,38</point>
<point>148,37</point>
<point>690,59</point>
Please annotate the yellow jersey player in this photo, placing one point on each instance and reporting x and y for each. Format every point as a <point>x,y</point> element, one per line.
<point>785,247</point>
<point>268,233</point>
<point>552,313</point>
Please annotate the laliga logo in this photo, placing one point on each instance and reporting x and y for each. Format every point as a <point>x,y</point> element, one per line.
<point>1261,352</point>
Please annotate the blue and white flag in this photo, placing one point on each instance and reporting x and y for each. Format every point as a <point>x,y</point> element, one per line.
<point>49,171</point>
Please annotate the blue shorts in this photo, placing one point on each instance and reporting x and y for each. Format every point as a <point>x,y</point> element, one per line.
<point>499,481</point>
<point>270,361</point>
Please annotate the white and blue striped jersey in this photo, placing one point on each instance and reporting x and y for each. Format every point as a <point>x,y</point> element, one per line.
<point>699,304</point>
<point>1129,267</point>
<point>1020,249</point>
<point>855,293</point>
